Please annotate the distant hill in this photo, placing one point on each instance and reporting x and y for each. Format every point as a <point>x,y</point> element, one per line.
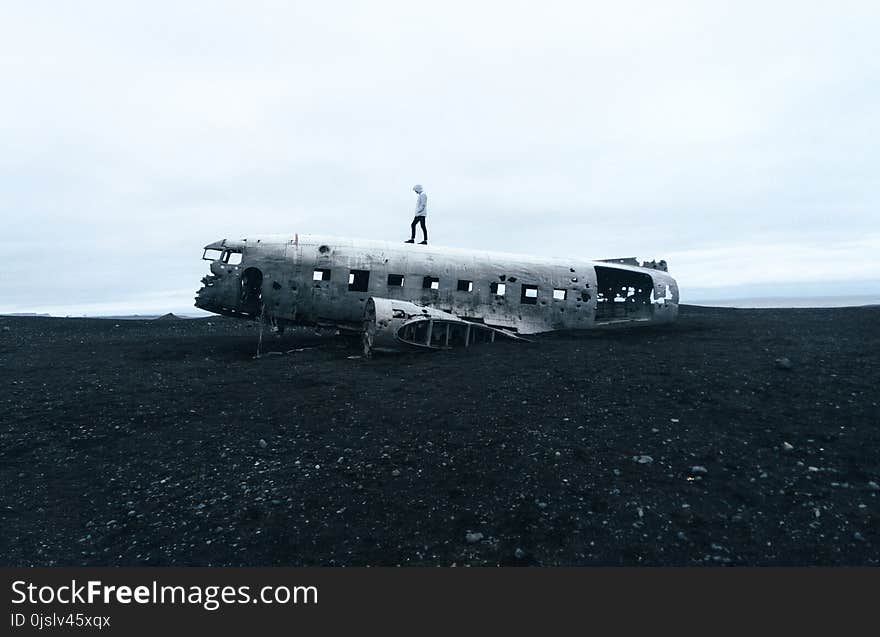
<point>146,317</point>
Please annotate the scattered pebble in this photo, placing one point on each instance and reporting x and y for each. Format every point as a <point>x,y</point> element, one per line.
<point>519,553</point>
<point>395,473</point>
<point>263,444</point>
<point>699,469</point>
<point>643,459</point>
<point>787,447</point>
<point>873,486</point>
<point>784,363</point>
<point>473,538</point>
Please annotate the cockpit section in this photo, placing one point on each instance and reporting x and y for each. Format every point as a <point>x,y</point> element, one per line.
<point>231,256</point>
<point>222,253</point>
<point>231,288</point>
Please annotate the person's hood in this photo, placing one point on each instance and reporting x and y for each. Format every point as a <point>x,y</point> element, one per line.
<point>418,188</point>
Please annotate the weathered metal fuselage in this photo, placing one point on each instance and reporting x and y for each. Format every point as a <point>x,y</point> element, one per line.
<point>321,280</point>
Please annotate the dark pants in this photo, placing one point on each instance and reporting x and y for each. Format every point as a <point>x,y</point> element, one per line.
<point>413,225</point>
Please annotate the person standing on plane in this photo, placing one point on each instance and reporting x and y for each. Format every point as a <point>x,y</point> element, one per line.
<point>421,212</point>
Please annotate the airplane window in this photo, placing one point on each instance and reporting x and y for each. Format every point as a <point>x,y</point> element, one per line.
<point>529,294</point>
<point>395,280</point>
<point>321,274</point>
<point>358,280</point>
<point>232,258</point>
<point>431,283</point>
<point>560,295</point>
<point>498,289</point>
<point>465,286</point>
<point>212,255</point>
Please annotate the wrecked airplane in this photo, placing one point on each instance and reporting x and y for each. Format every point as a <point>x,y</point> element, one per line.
<point>401,296</point>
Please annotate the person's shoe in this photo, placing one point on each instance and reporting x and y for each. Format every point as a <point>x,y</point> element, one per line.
<point>423,243</point>
<point>410,241</point>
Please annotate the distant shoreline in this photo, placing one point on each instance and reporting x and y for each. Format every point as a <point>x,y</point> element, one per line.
<point>784,302</point>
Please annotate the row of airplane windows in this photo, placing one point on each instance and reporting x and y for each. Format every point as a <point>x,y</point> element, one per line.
<point>358,281</point>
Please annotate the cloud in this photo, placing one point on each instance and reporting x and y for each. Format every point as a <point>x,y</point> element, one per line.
<point>819,264</point>
<point>733,140</point>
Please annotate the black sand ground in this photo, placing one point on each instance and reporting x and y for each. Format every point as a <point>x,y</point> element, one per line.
<point>139,442</point>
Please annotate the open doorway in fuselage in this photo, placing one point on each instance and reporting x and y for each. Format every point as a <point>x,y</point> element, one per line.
<point>623,295</point>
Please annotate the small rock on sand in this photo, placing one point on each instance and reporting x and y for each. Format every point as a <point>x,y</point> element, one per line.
<point>473,538</point>
<point>784,363</point>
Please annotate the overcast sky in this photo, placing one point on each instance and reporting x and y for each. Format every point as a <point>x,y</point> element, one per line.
<point>738,140</point>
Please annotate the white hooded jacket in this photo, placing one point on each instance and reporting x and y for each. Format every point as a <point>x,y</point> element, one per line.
<point>422,202</point>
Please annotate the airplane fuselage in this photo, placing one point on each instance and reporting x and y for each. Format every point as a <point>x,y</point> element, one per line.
<point>322,280</point>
